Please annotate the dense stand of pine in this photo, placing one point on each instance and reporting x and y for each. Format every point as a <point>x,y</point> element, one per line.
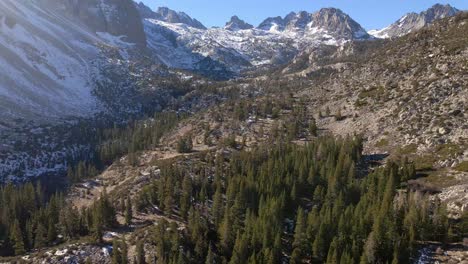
<point>303,204</point>
<point>277,202</point>
<point>28,220</point>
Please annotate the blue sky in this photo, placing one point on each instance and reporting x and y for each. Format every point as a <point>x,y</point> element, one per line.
<point>370,14</point>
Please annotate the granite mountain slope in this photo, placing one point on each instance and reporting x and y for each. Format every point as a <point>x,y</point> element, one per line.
<point>408,92</point>
<point>53,54</point>
<point>413,21</point>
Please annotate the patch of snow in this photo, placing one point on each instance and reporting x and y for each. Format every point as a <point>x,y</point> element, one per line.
<point>45,63</point>
<point>110,235</point>
<point>107,250</point>
<point>61,252</point>
<point>381,33</point>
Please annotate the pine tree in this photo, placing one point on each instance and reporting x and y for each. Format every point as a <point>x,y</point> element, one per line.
<point>124,252</point>
<point>97,225</point>
<point>210,257</point>
<point>51,232</point>
<point>16,238</point>
<point>186,196</point>
<point>300,236</point>
<point>29,241</point>
<point>319,243</point>
<point>181,258</point>
<point>116,253</point>
<point>332,257</point>
<point>217,209</point>
<point>313,127</point>
<point>338,116</point>
<point>128,212</point>
<point>168,204</point>
<point>226,232</point>
<point>40,240</point>
<point>140,253</point>
<point>240,251</point>
<point>395,255</point>
<point>185,144</point>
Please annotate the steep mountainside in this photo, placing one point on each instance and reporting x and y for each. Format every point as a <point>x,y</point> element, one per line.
<point>412,22</point>
<point>45,60</point>
<point>54,52</point>
<point>239,46</point>
<point>117,17</point>
<point>410,92</point>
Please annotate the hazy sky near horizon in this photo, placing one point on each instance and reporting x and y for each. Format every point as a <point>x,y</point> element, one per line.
<point>371,14</point>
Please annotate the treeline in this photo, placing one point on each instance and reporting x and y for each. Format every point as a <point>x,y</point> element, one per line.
<point>29,220</point>
<point>291,203</point>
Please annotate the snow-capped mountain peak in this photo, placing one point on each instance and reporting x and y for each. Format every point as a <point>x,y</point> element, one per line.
<point>272,24</point>
<point>168,15</point>
<point>236,24</point>
<point>330,20</point>
<point>338,23</point>
<point>414,21</point>
<point>297,21</point>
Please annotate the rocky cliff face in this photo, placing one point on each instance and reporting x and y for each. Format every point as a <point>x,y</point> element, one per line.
<point>335,21</point>
<point>331,20</point>
<point>117,17</point>
<point>236,24</point>
<point>45,63</point>
<point>412,22</point>
<point>54,52</point>
<point>167,15</point>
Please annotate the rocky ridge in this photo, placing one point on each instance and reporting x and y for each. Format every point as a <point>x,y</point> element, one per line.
<point>413,21</point>
<point>407,96</point>
<point>240,47</point>
<point>236,24</point>
<point>167,15</point>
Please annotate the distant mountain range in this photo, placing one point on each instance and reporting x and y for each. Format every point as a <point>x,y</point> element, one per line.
<point>239,46</point>
<point>183,42</point>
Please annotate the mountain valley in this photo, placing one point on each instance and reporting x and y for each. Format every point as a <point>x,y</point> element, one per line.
<point>132,135</point>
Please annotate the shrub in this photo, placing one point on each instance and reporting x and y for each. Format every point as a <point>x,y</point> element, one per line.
<point>230,141</point>
<point>185,145</point>
<point>463,166</point>
<point>382,143</point>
